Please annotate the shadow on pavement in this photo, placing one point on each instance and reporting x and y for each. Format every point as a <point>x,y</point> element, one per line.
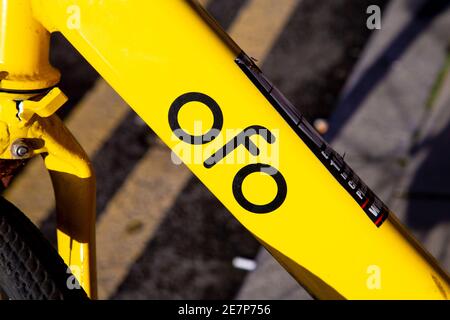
<point>429,192</point>
<point>375,73</point>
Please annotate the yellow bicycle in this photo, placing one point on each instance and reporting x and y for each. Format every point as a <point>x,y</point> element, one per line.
<point>209,102</point>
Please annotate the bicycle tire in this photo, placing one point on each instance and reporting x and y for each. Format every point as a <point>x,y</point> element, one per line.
<point>30,268</point>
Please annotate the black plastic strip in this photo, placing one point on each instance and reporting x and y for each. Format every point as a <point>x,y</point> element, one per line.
<point>374,208</point>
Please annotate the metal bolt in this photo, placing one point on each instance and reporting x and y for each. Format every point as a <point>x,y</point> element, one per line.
<point>20,149</point>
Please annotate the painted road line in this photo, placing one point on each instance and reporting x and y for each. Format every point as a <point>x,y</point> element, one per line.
<point>260,23</point>
<point>91,122</point>
<point>135,212</point>
<point>133,215</point>
<point>204,3</point>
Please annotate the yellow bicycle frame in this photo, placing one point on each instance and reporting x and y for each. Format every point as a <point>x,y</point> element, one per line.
<point>175,66</point>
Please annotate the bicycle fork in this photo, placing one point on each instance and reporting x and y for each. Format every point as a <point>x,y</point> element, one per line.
<point>29,126</point>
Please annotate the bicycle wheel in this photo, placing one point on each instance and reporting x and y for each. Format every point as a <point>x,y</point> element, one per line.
<point>30,268</point>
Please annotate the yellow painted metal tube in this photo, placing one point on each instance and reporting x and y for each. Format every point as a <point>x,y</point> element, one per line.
<point>171,63</point>
<point>70,170</point>
<point>27,116</point>
<point>74,185</point>
<point>24,49</point>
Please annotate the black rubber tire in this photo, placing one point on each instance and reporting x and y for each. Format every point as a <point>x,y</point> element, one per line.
<point>30,268</point>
